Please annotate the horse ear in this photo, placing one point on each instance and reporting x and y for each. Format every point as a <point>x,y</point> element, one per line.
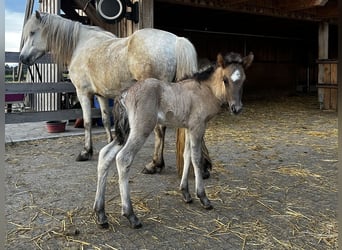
<point>247,60</point>
<point>38,16</point>
<point>220,60</point>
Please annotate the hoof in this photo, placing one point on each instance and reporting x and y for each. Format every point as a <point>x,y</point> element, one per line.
<point>102,220</point>
<point>84,157</point>
<point>206,174</point>
<point>206,203</point>
<point>208,206</point>
<point>149,171</point>
<point>104,225</point>
<point>152,168</point>
<point>186,197</point>
<point>134,221</point>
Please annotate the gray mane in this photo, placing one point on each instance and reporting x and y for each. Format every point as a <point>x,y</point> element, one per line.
<point>62,36</point>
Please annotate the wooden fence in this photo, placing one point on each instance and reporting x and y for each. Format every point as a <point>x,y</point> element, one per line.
<point>64,88</point>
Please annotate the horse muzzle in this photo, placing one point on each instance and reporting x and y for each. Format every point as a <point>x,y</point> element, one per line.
<point>235,109</point>
<point>29,59</point>
<point>25,60</point>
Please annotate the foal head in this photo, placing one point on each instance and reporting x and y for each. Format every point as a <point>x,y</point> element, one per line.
<point>230,76</point>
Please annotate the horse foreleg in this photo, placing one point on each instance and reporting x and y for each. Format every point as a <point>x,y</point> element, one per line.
<point>105,114</point>
<point>87,151</point>
<point>184,186</point>
<point>157,163</point>
<point>106,157</point>
<point>195,145</point>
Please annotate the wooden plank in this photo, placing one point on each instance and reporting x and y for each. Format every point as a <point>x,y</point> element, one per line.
<point>290,5</point>
<point>333,71</point>
<point>66,114</point>
<point>13,57</point>
<point>47,87</point>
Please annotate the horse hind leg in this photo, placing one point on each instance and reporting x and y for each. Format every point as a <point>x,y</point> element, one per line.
<point>157,164</point>
<point>106,157</point>
<point>105,114</point>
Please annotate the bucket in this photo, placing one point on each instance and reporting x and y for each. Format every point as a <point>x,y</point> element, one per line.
<point>55,126</point>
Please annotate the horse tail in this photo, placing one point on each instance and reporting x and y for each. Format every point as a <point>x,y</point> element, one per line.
<point>186,56</point>
<point>121,123</point>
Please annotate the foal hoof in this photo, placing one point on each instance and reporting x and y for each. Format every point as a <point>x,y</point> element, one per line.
<point>206,203</point>
<point>103,225</point>
<point>206,174</point>
<point>186,197</point>
<point>134,221</point>
<point>102,220</point>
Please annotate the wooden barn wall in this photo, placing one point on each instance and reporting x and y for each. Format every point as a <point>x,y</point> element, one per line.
<point>285,50</point>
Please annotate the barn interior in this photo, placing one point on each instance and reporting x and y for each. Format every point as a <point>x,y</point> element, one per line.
<point>291,40</point>
<point>285,49</point>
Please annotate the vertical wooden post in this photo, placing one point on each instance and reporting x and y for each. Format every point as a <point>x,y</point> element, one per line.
<point>323,53</point>
<point>146,13</point>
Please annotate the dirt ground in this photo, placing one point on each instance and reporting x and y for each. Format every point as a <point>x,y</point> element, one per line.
<point>273,186</point>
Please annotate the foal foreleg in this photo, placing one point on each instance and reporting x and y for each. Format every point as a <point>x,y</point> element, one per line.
<point>157,163</point>
<point>184,186</point>
<point>195,145</point>
<point>105,114</point>
<point>87,151</point>
<point>106,157</point>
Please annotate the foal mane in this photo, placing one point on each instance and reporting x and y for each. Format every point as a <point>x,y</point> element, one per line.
<point>205,73</point>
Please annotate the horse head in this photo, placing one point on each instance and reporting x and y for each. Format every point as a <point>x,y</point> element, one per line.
<point>35,45</point>
<point>232,77</point>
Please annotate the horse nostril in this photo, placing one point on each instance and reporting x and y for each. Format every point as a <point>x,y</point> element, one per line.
<point>235,109</point>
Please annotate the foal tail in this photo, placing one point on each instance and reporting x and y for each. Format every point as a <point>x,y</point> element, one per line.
<point>186,58</point>
<point>121,124</point>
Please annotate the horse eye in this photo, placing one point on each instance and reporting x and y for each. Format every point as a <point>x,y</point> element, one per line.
<point>32,33</point>
<point>225,80</point>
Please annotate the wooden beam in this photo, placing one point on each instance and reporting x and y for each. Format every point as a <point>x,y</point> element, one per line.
<point>234,2</point>
<point>90,10</point>
<point>291,5</point>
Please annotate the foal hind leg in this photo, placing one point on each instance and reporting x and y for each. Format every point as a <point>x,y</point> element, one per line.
<point>157,163</point>
<point>124,160</point>
<point>106,157</point>
<point>87,152</point>
<point>105,114</point>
